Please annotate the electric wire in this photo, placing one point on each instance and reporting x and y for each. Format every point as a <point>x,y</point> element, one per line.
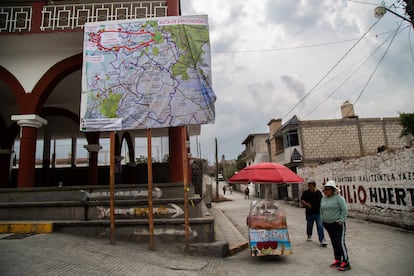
<point>362,91</point>
<point>361,2</point>
<point>351,75</point>
<point>410,45</point>
<point>295,47</point>
<point>329,71</point>
<point>342,83</point>
<point>376,67</point>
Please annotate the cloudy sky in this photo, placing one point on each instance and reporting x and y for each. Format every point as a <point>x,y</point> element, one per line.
<point>279,58</point>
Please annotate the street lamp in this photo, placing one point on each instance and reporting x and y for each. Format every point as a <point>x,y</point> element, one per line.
<point>381,10</point>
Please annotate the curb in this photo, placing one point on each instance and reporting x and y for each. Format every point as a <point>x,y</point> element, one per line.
<point>26,227</point>
<point>237,248</point>
<point>228,233</point>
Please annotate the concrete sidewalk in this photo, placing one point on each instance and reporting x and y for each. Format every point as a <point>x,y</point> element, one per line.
<point>226,228</point>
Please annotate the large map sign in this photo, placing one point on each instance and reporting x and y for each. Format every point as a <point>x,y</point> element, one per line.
<point>150,73</point>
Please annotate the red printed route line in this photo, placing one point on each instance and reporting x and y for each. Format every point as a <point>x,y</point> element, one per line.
<point>96,38</point>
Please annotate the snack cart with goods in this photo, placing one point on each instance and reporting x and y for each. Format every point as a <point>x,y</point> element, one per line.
<point>267,229</point>
<point>266,221</point>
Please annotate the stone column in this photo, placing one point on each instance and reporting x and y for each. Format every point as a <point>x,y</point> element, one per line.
<point>173,7</point>
<point>176,155</point>
<point>5,167</point>
<point>73,158</point>
<point>93,175</point>
<point>132,173</point>
<point>29,124</point>
<point>46,160</point>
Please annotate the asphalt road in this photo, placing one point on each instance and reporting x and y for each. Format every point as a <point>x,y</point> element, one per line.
<point>374,249</point>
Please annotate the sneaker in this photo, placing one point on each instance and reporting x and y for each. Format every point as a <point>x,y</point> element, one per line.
<point>344,266</point>
<point>323,243</point>
<point>335,264</point>
<point>309,238</point>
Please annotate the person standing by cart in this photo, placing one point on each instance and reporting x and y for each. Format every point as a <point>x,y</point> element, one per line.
<point>334,213</point>
<point>311,199</point>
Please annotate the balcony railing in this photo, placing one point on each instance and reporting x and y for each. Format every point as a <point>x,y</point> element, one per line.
<point>15,19</point>
<point>74,16</point>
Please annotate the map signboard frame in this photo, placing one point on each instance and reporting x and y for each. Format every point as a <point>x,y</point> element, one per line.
<point>146,73</point>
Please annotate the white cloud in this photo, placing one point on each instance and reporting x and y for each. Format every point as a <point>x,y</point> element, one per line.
<point>261,68</point>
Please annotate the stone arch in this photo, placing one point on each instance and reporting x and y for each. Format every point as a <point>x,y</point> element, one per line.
<point>14,85</point>
<point>128,138</point>
<point>48,82</point>
<point>9,132</point>
<point>60,112</point>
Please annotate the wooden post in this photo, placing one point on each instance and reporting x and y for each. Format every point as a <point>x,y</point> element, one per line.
<point>150,206</point>
<point>112,186</point>
<point>217,181</point>
<point>185,180</point>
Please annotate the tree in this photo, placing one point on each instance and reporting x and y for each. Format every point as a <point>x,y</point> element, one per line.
<point>407,121</point>
<point>141,159</point>
<point>231,168</point>
<point>241,162</point>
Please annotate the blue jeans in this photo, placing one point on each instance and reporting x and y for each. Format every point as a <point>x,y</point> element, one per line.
<point>310,219</point>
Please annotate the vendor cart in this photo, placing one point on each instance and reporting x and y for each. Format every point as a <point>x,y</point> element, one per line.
<point>268,232</point>
<point>267,229</point>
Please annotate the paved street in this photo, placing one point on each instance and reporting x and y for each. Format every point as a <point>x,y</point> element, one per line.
<point>374,249</point>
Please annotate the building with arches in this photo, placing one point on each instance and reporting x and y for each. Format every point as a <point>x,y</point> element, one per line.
<point>40,86</point>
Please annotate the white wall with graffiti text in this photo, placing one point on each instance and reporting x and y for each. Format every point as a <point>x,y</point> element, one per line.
<point>377,188</point>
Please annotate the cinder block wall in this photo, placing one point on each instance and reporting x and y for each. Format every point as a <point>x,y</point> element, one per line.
<point>348,138</point>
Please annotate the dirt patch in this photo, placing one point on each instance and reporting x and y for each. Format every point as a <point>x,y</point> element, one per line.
<point>221,198</point>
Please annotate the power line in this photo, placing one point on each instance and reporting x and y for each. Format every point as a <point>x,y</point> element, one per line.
<point>294,47</point>
<point>330,70</point>
<point>366,84</point>
<point>361,2</point>
<point>352,74</point>
<point>411,46</point>
<point>379,62</point>
<point>343,83</point>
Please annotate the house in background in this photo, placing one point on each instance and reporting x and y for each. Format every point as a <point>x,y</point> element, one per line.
<point>256,148</point>
<point>299,143</point>
<point>307,143</point>
<point>256,152</point>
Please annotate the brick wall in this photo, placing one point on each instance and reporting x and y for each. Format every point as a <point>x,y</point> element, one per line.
<point>393,131</point>
<point>372,135</point>
<point>260,144</point>
<point>327,140</point>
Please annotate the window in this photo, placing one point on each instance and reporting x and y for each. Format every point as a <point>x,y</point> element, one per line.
<point>291,138</point>
<point>279,145</point>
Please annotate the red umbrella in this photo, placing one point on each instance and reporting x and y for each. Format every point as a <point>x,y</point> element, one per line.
<point>266,172</point>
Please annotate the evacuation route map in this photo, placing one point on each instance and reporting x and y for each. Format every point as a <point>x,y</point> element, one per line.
<point>150,73</point>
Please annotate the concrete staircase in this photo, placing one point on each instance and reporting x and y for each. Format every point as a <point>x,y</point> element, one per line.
<point>84,210</point>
